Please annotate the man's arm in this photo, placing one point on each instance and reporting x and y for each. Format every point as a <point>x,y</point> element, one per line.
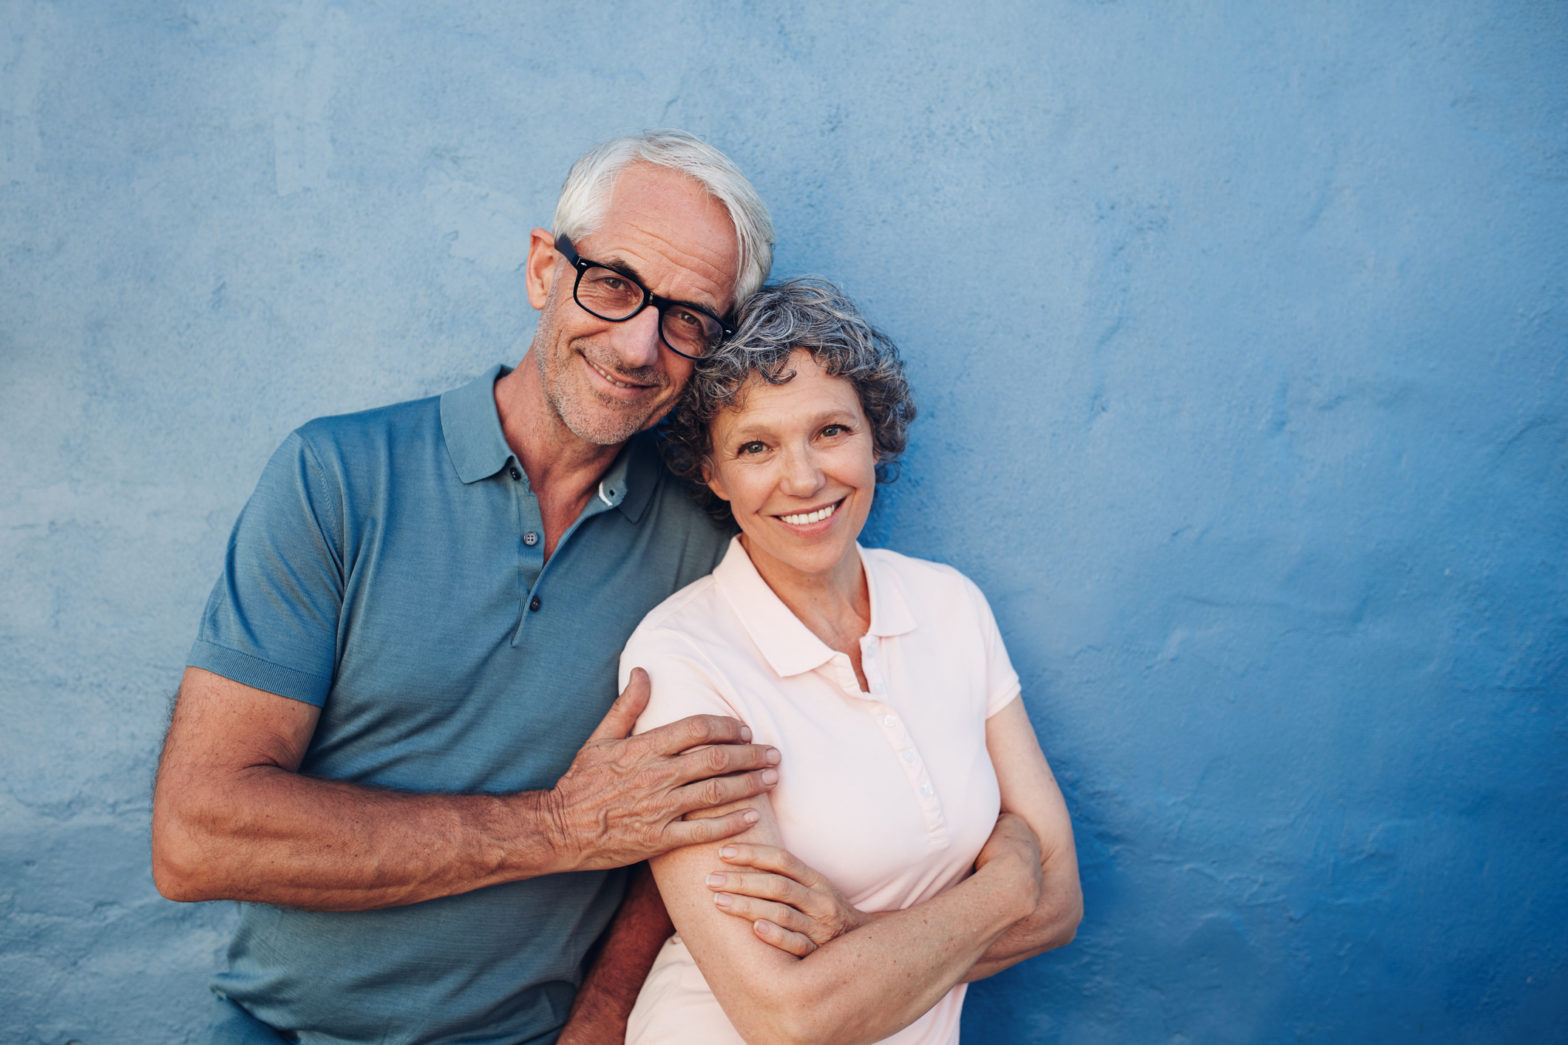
<point>234,819</point>
<point>626,953</point>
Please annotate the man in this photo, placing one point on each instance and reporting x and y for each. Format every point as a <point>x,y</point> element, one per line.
<point>379,741</point>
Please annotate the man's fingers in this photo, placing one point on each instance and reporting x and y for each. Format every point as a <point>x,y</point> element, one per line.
<point>791,942</point>
<point>695,731</point>
<point>722,790</point>
<point>696,832</point>
<point>618,721</point>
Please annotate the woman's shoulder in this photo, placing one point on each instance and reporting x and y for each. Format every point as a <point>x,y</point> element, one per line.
<point>918,577</point>
<point>693,604</point>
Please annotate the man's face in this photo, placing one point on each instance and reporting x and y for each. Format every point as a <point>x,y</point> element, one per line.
<point>606,381</point>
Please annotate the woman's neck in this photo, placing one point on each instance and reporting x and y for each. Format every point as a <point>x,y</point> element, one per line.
<point>834,606</point>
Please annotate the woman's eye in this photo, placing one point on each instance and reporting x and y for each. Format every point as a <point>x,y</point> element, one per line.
<point>834,431</point>
<point>753,447</point>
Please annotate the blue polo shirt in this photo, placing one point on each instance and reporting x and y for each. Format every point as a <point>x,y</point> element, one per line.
<point>390,569</point>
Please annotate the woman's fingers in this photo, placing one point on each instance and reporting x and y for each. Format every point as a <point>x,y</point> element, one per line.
<point>790,942</point>
<point>763,886</point>
<point>780,916</point>
<point>769,858</point>
<point>782,877</point>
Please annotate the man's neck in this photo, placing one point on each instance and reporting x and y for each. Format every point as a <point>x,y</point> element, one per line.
<point>563,469</point>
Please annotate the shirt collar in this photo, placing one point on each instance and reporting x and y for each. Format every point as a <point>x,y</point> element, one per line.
<point>789,646</point>
<point>478,449</point>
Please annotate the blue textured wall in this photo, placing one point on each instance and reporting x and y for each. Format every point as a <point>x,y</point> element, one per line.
<point>1241,342</point>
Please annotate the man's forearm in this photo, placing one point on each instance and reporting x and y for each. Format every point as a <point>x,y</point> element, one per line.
<point>626,953</point>
<point>233,818</point>
<point>274,836</point>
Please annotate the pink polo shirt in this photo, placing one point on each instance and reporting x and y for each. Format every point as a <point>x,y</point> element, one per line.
<point>889,793</point>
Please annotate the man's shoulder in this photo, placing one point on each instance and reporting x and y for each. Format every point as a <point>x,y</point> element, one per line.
<point>676,503</point>
<point>377,424</point>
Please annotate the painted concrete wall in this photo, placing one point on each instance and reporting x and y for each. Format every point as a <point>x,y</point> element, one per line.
<point>1241,342</point>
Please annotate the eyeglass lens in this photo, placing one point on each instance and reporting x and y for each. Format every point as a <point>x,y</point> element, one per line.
<point>610,295</point>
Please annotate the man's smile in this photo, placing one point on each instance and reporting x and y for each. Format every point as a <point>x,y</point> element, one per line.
<point>617,382</point>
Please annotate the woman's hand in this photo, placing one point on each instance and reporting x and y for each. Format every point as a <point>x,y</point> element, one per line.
<point>790,906</point>
<point>1014,848</point>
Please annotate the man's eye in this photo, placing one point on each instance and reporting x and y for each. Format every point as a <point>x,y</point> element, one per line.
<point>613,284</point>
<point>685,318</point>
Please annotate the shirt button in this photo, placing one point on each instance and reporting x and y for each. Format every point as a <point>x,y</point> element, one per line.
<point>890,721</point>
<point>530,538</point>
<point>925,789</point>
<point>514,473</point>
<point>909,756</point>
<point>534,603</point>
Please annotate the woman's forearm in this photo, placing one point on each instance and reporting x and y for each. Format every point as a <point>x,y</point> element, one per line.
<point>870,983</point>
<point>1053,922</point>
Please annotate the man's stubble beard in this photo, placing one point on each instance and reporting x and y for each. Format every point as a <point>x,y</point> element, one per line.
<point>607,425</point>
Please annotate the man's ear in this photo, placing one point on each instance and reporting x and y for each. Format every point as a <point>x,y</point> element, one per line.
<point>539,271</point>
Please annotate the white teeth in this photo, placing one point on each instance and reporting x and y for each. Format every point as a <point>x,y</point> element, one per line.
<point>606,375</point>
<point>807,518</point>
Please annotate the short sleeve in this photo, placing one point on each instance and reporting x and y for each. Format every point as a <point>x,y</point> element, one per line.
<point>684,681</point>
<point>1001,682</point>
<point>272,619</point>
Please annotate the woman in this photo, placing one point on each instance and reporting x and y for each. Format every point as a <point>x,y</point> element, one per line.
<point>911,780</point>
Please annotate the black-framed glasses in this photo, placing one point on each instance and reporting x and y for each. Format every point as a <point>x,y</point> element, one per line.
<point>607,292</point>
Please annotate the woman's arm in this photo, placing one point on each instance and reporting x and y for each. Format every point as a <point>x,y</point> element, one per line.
<point>796,909</point>
<point>866,984</point>
<point>1029,791</point>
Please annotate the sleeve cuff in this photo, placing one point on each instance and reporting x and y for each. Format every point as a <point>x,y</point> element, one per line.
<point>259,674</point>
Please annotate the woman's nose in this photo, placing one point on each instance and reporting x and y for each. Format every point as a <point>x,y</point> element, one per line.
<point>802,474</point>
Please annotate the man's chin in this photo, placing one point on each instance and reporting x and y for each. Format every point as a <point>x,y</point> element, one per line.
<point>601,429</point>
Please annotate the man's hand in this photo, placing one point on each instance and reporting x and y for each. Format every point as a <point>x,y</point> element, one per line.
<point>625,798</point>
<point>790,906</point>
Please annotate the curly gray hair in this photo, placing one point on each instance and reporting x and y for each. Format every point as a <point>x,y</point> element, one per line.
<point>805,313</point>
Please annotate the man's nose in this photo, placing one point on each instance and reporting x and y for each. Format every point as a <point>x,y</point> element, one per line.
<point>637,341</point>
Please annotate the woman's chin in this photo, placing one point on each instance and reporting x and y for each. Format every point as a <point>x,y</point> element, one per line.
<point>820,556</point>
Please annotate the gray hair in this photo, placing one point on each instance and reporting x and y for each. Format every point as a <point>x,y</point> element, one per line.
<point>586,194</point>
<point>805,313</point>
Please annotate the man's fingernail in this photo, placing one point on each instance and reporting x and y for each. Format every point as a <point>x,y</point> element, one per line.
<point>770,777</point>
<point>721,899</point>
<point>773,756</point>
<point>728,852</point>
<point>715,879</point>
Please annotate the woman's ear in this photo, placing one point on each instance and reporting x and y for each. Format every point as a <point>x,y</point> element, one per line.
<point>712,480</point>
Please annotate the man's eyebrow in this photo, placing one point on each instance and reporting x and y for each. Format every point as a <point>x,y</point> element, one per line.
<point>626,268</point>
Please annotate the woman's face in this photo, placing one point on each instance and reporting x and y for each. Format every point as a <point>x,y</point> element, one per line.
<point>797,464</point>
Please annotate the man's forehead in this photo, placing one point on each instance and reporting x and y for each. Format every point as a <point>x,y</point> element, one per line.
<point>667,230</point>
